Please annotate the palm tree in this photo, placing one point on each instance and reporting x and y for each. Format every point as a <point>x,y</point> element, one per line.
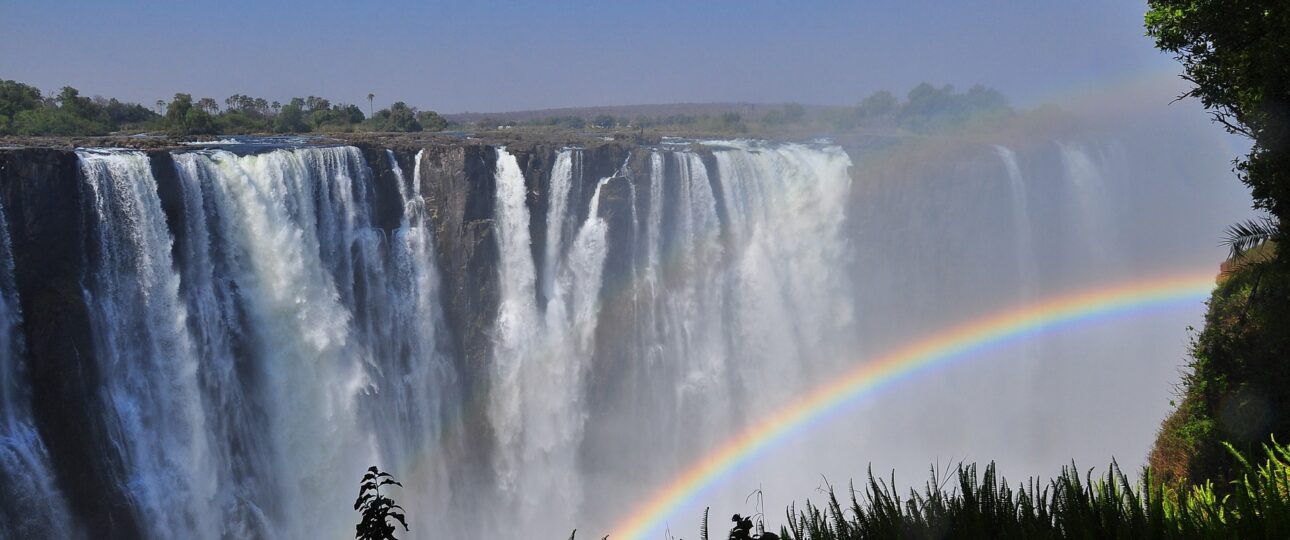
<point>370,97</point>
<point>1244,241</point>
<point>1250,234</point>
<point>209,105</point>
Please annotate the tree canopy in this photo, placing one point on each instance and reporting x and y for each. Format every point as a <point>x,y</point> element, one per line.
<point>25,111</point>
<point>1237,55</point>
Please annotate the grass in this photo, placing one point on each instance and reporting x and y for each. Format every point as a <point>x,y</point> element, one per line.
<point>1073,505</point>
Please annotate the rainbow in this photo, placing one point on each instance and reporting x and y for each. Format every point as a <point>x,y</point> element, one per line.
<point>956,343</point>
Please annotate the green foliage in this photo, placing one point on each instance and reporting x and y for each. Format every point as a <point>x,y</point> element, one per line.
<point>24,112</point>
<point>1237,55</point>
<point>567,122</point>
<point>291,119</point>
<point>183,118</point>
<point>126,114</point>
<point>399,117</point>
<point>1073,505</point>
<point>241,121</point>
<point>880,104</point>
<point>1248,235</point>
<point>378,510</point>
<point>431,121</point>
<point>604,121</point>
<point>248,105</point>
<point>55,121</point>
<point>1235,385</point>
<point>16,97</point>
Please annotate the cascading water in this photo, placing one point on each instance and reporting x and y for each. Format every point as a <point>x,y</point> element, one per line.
<point>1093,216</point>
<point>146,356</point>
<point>541,355</point>
<point>268,325</point>
<point>1027,273</point>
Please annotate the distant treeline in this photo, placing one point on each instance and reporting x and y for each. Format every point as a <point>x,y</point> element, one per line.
<point>25,111</point>
<point>925,109</point>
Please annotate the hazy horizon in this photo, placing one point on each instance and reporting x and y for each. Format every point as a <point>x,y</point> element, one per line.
<point>496,56</point>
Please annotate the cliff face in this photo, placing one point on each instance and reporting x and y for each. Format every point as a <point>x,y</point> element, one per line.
<point>44,202</point>
<point>44,199</point>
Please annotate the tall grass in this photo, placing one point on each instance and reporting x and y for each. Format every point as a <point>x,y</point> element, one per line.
<point>1072,505</point>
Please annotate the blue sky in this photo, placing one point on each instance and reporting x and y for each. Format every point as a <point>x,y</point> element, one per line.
<point>492,55</point>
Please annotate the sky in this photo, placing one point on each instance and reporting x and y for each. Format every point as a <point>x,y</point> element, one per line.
<point>498,55</point>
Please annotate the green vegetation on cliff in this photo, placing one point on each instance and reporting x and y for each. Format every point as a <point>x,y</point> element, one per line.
<point>1237,55</point>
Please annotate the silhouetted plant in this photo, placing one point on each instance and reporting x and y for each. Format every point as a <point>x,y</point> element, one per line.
<point>377,510</point>
<point>1256,504</point>
<point>1249,235</point>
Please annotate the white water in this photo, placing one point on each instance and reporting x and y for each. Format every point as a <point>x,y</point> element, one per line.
<point>1025,242</point>
<point>537,403</point>
<point>342,325</point>
<point>1092,220</point>
<point>146,356</point>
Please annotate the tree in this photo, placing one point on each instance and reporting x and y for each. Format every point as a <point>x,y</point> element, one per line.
<point>182,118</point>
<point>177,112</point>
<point>16,97</point>
<point>291,119</point>
<point>399,117</point>
<point>879,104</point>
<point>315,103</point>
<point>431,121</point>
<point>370,97</point>
<point>377,510</point>
<point>209,105</point>
<point>1236,53</point>
<point>603,121</point>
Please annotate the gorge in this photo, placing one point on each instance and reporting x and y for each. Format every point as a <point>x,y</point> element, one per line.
<point>215,341</point>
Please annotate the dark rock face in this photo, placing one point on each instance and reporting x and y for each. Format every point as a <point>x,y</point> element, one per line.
<point>457,183</point>
<point>43,198</point>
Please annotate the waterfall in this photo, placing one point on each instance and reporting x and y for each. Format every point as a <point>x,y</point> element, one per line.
<point>1093,214</point>
<point>561,182</point>
<point>267,325</point>
<point>145,353</point>
<point>414,399</point>
<point>293,230</point>
<point>516,328</point>
<point>784,290</point>
<point>33,505</point>
<point>1025,249</point>
<point>541,355</point>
